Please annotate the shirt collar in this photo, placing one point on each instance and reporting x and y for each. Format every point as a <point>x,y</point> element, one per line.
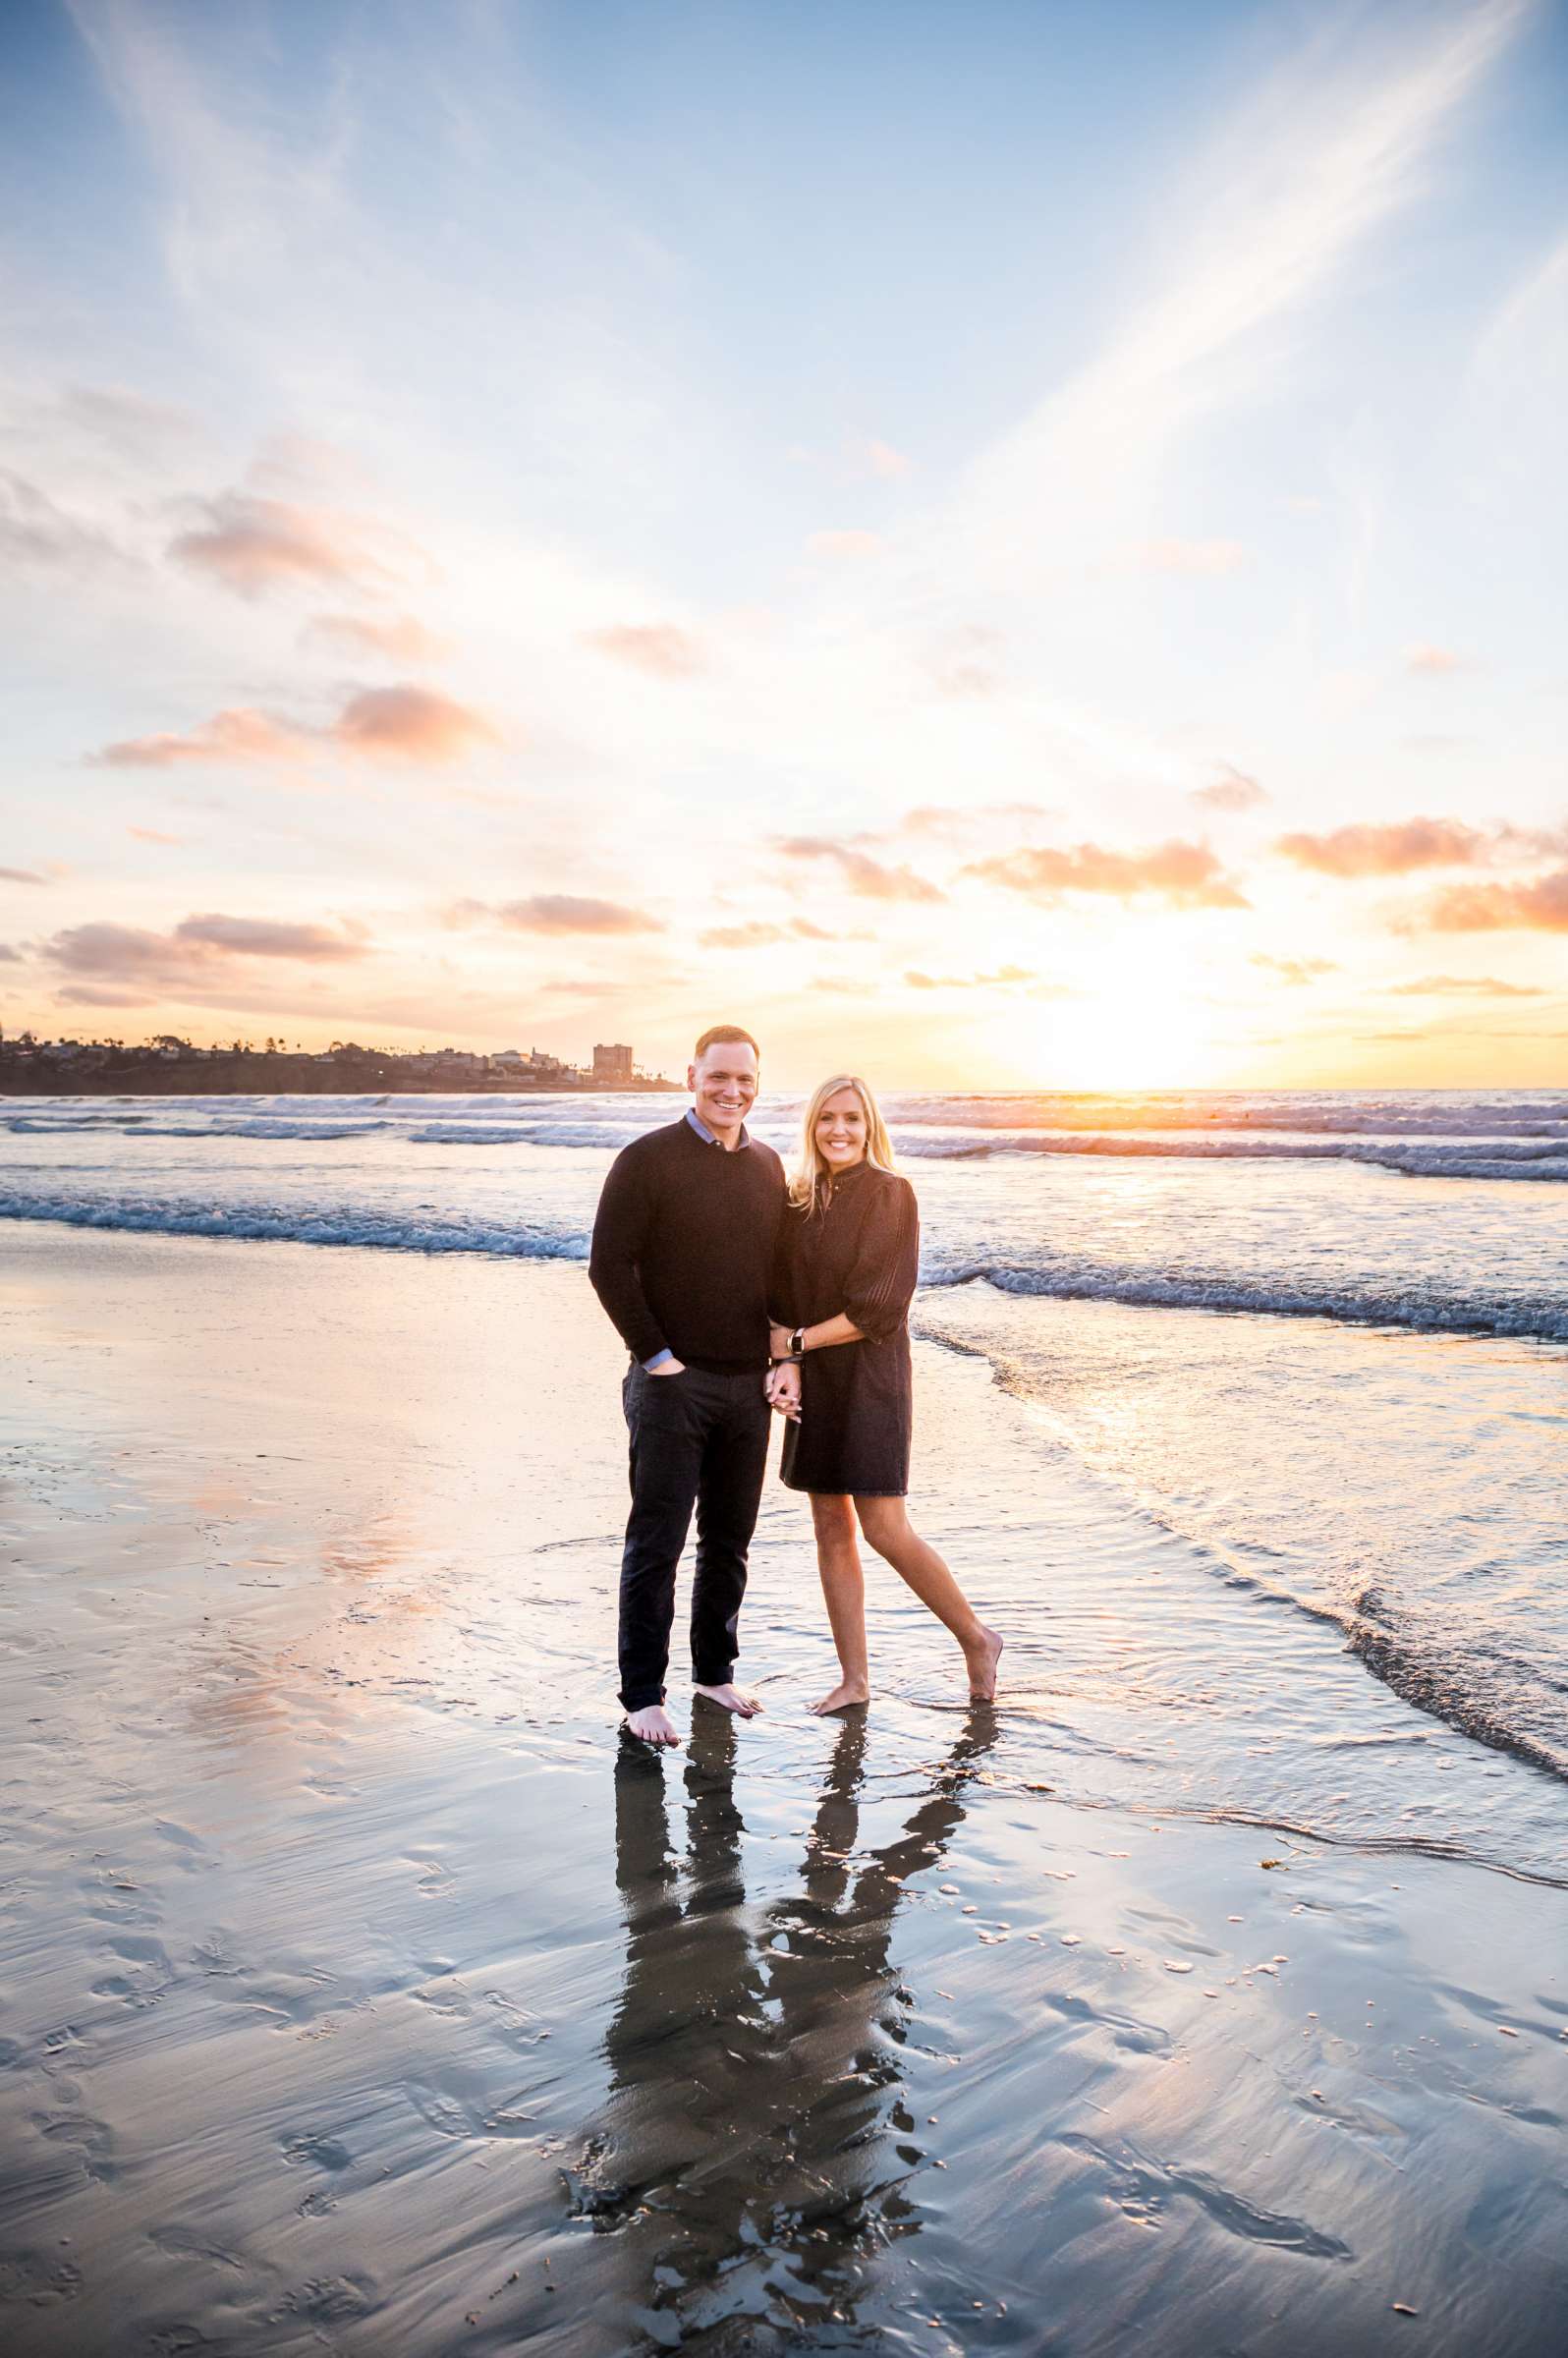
<point>710,1137</point>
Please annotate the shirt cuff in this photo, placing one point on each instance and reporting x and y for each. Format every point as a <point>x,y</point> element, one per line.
<point>658,1359</point>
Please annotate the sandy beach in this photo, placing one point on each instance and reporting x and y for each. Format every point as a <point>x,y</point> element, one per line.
<point>358,1992</point>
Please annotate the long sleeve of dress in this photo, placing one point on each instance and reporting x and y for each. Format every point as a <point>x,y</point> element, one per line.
<point>881,1282</point>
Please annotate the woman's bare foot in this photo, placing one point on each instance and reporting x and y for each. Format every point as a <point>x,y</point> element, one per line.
<point>983,1660</point>
<point>652,1725</point>
<point>731,1699</point>
<point>845,1696</point>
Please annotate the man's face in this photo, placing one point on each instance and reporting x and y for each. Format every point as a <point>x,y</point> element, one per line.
<point>723,1085</point>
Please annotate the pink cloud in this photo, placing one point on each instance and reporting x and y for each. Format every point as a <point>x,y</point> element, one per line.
<point>1540,907</point>
<point>1295,971</point>
<point>408,723</point>
<point>847,547</point>
<point>400,638</point>
<point>253,544</point>
<point>1187,874</point>
<point>238,734</point>
<point>21,875</point>
<point>131,964</point>
<point>1233,791</point>
<point>153,835</point>
<point>1387,851</point>
<point>1185,556</point>
<point>1434,661</point>
<point>415,724</point>
<point>870,879</point>
<point>1480,987</point>
<point>34,531</point>
<point>884,461</point>
<point>762,935</point>
<point>657,648</point>
<point>569,912</point>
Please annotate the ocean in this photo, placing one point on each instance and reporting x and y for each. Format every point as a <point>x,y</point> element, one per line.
<point>1321,1337</point>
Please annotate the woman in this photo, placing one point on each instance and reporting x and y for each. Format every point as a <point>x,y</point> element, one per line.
<point>849,1253</point>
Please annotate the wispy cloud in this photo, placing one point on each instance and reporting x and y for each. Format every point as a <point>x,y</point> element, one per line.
<point>251,544</point>
<point>108,965</point>
<point>21,875</point>
<point>659,648</point>
<point>1436,663</point>
<point>761,935</point>
<point>1540,907</point>
<point>1188,875</point>
<point>34,530</point>
<point>407,722</point>
<point>400,638</point>
<point>1455,986</point>
<point>1231,792</point>
<point>1395,849</point>
<point>570,913</point>
<point>1182,556</point>
<point>1295,971</point>
<point>870,879</point>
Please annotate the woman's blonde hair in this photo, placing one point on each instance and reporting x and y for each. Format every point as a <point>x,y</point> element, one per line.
<point>811,1180</point>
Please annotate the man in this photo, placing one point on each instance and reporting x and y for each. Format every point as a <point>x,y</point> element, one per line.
<point>683,1254</point>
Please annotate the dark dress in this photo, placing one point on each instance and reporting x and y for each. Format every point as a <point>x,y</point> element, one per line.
<point>859,1256</point>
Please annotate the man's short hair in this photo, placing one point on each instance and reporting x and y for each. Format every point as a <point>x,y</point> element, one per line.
<point>719,1035</point>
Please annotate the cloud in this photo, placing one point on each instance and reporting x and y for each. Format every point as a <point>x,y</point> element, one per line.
<point>8,955</point>
<point>1182,556</point>
<point>253,544</point>
<point>1436,661</point>
<point>884,461</point>
<point>566,913</point>
<point>412,724</point>
<point>1003,979</point>
<point>1540,907</point>
<point>267,938</point>
<point>1188,875</point>
<point>762,935</point>
<point>34,531</point>
<point>861,874</point>
<point>657,648</point>
<point>838,548</point>
<point>1444,986</point>
<point>113,964</point>
<point>400,638</point>
<point>1234,791</point>
<point>1295,971</point>
<point>947,821</point>
<point>21,875</point>
<point>1387,851</point>
<point>153,835</point>
<point>238,734</point>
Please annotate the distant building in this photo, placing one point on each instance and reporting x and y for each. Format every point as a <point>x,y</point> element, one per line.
<point>611,1065</point>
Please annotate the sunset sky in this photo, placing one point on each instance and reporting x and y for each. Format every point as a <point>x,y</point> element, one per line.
<point>997,543</point>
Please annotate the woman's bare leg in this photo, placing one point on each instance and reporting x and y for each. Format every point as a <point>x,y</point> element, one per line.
<point>838,1560</point>
<point>886,1525</point>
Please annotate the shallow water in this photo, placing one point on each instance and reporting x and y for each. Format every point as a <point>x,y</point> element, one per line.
<point>358,1994</point>
<point>1377,1426</point>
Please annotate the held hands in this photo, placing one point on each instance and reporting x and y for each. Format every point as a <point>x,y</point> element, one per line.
<point>783,1389</point>
<point>778,1342</point>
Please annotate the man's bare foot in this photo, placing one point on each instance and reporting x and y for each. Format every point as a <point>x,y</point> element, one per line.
<point>983,1660</point>
<point>845,1696</point>
<point>731,1699</point>
<point>653,1724</point>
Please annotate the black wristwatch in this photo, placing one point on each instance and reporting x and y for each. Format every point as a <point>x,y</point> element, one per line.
<point>797,1343</point>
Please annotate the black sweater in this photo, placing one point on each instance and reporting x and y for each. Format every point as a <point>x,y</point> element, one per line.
<point>683,1248</point>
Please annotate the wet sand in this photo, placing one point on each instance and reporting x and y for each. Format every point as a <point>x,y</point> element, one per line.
<point>360,1992</point>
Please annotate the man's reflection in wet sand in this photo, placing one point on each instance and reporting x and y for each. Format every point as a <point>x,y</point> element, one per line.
<point>755,2148</point>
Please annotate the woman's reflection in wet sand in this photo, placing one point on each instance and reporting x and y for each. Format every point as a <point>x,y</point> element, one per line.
<point>756,2149</point>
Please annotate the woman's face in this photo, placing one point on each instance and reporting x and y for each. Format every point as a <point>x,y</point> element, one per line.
<point>841,1130</point>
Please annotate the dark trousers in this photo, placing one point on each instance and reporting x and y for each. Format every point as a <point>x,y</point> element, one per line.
<point>699,1441</point>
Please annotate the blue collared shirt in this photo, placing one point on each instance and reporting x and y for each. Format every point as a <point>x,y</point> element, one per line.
<point>709,1138</point>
